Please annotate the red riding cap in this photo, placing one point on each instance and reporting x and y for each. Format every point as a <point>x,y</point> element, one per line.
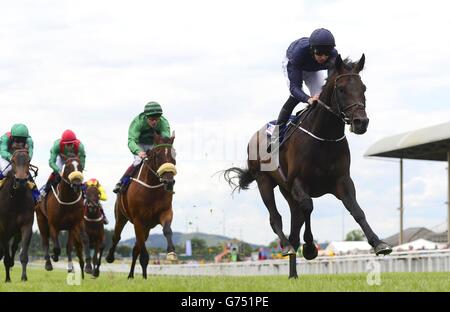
<point>68,136</point>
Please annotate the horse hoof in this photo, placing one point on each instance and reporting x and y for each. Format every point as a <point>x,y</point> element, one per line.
<point>130,277</point>
<point>110,258</point>
<point>309,251</point>
<point>96,273</point>
<point>172,256</point>
<point>287,251</point>
<point>48,266</point>
<point>382,249</point>
<point>24,279</point>
<point>293,276</point>
<point>88,269</point>
<point>55,258</point>
<point>70,271</point>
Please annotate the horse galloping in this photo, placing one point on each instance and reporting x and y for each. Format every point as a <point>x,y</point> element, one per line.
<point>315,160</point>
<point>93,223</point>
<point>16,213</point>
<point>62,209</point>
<point>148,202</point>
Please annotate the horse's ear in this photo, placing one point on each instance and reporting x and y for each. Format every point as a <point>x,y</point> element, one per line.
<point>339,64</point>
<point>172,138</point>
<point>359,67</point>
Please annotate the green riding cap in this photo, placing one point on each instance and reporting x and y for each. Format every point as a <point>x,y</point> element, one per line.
<point>153,109</point>
<point>19,130</point>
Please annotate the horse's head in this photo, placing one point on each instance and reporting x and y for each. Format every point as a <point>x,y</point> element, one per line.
<point>92,201</point>
<point>348,93</point>
<point>20,162</point>
<point>72,173</point>
<point>162,160</point>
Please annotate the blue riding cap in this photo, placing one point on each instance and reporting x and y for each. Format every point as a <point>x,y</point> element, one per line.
<point>321,37</point>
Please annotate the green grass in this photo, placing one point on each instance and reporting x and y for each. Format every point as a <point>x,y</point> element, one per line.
<point>55,281</point>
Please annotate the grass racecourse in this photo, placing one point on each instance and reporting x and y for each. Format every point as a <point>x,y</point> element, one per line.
<point>57,281</point>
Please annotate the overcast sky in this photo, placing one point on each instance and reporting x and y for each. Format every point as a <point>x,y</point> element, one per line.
<point>215,67</point>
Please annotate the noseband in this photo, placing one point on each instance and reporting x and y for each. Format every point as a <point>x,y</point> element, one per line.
<point>341,114</point>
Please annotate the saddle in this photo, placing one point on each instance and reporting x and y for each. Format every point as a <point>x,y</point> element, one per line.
<point>286,130</point>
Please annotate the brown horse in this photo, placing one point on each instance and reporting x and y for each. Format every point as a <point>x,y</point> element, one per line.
<point>16,213</point>
<point>62,210</point>
<point>148,202</point>
<point>314,161</point>
<point>93,223</point>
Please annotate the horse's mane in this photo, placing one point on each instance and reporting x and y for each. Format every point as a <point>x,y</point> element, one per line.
<point>329,81</point>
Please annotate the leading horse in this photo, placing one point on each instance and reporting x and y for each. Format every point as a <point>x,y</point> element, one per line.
<point>148,202</point>
<point>315,160</point>
<point>62,210</point>
<point>16,213</point>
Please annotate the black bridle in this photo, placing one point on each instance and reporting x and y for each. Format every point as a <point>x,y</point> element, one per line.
<point>341,113</point>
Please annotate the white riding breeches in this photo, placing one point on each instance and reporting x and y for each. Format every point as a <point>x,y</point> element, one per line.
<point>313,80</point>
<point>4,166</point>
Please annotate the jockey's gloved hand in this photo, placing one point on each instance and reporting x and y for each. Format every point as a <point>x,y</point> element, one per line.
<point>313,100</point>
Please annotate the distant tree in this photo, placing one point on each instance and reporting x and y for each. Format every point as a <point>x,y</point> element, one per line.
<point>199,247</point>
<point>246,249</point>
<point>124,250</point>
<point>355,235</point>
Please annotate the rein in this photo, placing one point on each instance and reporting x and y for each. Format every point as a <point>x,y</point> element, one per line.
<point>145,163</point>
<point>340,115</point>
<point>65,203</point>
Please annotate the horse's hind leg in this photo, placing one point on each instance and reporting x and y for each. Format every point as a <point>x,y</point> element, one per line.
<point>44,231</point>
<point>27,232</point>
<point>345,191</point>
<point>142,233</point>
<point>266,186</point>
<point>297,220</point>
<point>121,220</point>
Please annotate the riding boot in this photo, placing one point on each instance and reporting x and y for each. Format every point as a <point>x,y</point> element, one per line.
<point>34,190</point>
<point>283,118</point>
<point>125,178</point>
<point>52,180</point>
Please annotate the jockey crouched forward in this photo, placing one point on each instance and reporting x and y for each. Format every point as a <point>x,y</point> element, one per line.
<point>17,138</point>
<point>65,147</point>
<point>140,138</point>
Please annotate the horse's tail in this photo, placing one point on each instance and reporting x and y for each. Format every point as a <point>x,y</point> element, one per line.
<point>244,176</point>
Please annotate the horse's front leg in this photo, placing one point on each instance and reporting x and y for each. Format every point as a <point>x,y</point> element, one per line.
<point>56,247</point>
<point>167,231</point>
<point>27,232</point>
<point>69,247</point>
<point>306,206</point>
<point>345,191</point>
<point>87,250</point>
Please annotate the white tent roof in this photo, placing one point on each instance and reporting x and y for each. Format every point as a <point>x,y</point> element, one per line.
<point>430,143</point>
<point>419,244</point>
<point>342,247</point>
